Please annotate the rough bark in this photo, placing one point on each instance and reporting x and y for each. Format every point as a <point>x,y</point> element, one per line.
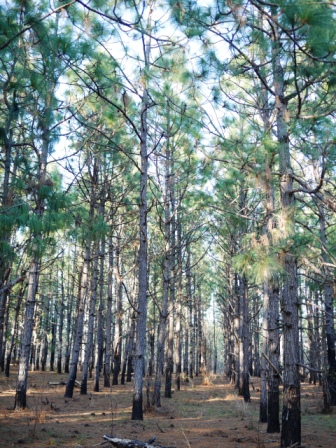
<point>170,235</point>
<point>264,366</point>
<point>60,326</point>
<point>100,337</point>
<point>244,340</point>
<point>78,337</point>
<point>178,342</point>
<point>21,388</point>
<point>329,310</point>
<point>90,329</point>
<point>140,346</point>
<point>71,295</point>
<point>117,349</point>
<point>107,369</point>
<point>291,411</point>
<point>273,423</point>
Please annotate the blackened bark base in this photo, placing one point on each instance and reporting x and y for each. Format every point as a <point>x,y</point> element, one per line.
<point>137,412</point>
<point>263,412</point>
<point>66,364</point>
<point>116,370</point>
<point>332,385</point>
<point>291,419</point>
<point>273,423</point>
<point>168,382</point>
<point>70,387</point>
<point>83,390</point>
<point>129,369</point>
<point>20,397</point>
<point>8,362</point>
<point>246,387</point>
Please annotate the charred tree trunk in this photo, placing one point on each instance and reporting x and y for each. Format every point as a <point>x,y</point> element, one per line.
<point>107,369</point>
<point>99,355</point>
<point>60,327</point>
<point>329,311</point>
<point>178,342</point>
<point>141,318</point>
<point>90,329</point>
<point>78,337</point>
<point>21,388</point>
<point>273,423</point>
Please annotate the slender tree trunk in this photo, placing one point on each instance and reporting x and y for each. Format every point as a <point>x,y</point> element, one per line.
<point>264,366</point>
<point>78,337</point>
<point>329,310</point>
<point>273,423</point>
<point>21,388</point>
<point>244,340</point>
<point>170,238</point>
<point>44,354</point>
<point>90,330</point>
<point>131,349</point>
<point>291,410</point>
<point>311,335</point>
<point>60,327</point>
<point>178,342</point>
<point>100,336</point>
<point>140,347</point>
<point>53,335</point>
<point>107,370</point>
<point>71,294</point>
<point>118,336</point>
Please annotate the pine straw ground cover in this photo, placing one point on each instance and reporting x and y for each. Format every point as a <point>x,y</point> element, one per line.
<point>199,416</point>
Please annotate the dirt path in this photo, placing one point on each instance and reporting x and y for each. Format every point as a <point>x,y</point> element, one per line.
<point>198,416</point>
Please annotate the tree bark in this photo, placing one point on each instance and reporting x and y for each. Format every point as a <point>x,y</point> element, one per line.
<point>90,329</point>
<point>21,388</point>
<point>107,369</point>
<point>291,410</point>
<point>140,345</point>
<point>329,310</point>
<point>78,337</point>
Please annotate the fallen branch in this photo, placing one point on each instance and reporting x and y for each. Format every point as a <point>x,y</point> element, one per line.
<point>310,368</point>
<point>273,367</point>
<point>127,443</point>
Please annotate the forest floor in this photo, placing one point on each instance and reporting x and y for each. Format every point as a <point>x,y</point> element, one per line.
<point>198,416</point>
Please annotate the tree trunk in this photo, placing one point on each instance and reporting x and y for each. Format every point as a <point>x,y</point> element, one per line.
<point>273,423</point>
<point>21,387</point>
<point>53,336</point>
<point>90,330</point>
<point>78,337</point>
<point>100,336</point>
<point>71,294</point>
<point>178,342</point>
<point>118,336</point>
<point>170,239</point>
<point>291,411</point>
<point>141,318</point>
<point>61,326</point>
<point>329,310</point>
<point>264,366</point>
<point>107,369</point>
<point>244,339</point>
